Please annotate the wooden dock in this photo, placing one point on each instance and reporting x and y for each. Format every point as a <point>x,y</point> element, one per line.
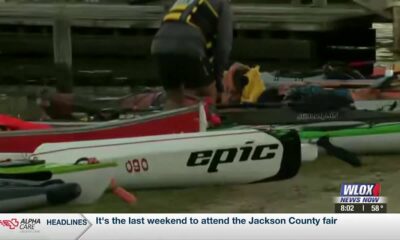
<point>246,16</point>
<point>267,30</point>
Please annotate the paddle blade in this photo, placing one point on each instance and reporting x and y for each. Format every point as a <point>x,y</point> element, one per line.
<point>122,193</point>
<point>125,195</point>
<point>338,152</point>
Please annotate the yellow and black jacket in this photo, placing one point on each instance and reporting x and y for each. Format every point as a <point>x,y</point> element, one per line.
<point>199,14</point>
<point>207,31</point>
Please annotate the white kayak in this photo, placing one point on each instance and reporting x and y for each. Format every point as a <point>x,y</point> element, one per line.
<point>189,159</point>
<point>94,180</point>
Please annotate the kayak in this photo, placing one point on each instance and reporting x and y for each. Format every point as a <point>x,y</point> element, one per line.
<point>92,177</point>
<point>375,139</point>
<point>280,114</point>
<point>343,140</point>
<point>70,106</point>
<point>320,78</point>
<point>15,196</point>
<point>325,83</point>
<point>18,144</point>
<point>190,159</point>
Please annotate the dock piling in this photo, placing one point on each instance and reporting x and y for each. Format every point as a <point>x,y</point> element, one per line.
<point>62,45</point>
<point>396,28</point>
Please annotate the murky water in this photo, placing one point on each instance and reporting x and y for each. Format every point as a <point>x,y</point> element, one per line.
<point>26,108</point>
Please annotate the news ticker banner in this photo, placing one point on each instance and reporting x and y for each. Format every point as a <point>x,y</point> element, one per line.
<point>199,226</point>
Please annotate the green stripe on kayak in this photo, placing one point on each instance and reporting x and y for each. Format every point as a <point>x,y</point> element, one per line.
<point>360,131</point>
<point>56,168</point>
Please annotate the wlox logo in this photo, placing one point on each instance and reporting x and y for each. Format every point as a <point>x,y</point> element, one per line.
<point>360,193</point>
<point>213,158</point>
<point>359,189</point>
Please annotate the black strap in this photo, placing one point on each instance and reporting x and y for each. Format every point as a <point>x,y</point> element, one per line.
<point>188,10</point>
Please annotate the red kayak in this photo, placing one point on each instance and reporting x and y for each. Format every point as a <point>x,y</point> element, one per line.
<point>16,144</point>
<point>9,123</point>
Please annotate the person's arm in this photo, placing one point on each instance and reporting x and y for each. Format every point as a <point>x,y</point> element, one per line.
<point>223,42</point>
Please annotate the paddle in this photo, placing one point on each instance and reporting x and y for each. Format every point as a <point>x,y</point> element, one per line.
<point>338,152</point>
<point>384,83</point>
<point>32,176</point>
<point>8,163</point>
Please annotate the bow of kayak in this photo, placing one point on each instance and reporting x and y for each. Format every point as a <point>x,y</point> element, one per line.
<point>190,159</point>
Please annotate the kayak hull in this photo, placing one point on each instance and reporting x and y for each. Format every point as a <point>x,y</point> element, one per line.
<point>373,144</point>
<point>17,144</point>
<point>93,183</point>
<point>281,115</point>
<point>380,139</point>
<point>191,159</point>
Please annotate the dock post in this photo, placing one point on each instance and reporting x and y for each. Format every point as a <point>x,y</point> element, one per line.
<point>62,46</point>
<point>396,28</point>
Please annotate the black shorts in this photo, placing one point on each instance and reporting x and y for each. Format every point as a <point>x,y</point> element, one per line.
<point>177,70</point>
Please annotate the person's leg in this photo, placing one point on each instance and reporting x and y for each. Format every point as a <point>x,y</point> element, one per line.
<point>168,71</point>
<point>199,82</point>
<point>175,98</point>
<point>209,91</point>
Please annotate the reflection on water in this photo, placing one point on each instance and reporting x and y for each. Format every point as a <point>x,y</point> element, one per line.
<point>26,108</point>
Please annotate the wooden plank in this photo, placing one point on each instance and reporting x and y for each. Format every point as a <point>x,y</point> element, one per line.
<point>380,7</point>
<point>149,16</point>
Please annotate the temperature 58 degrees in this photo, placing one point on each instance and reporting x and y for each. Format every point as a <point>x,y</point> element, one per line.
<point>376,208</point>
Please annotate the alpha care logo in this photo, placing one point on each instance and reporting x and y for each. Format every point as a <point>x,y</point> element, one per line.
<point>9,223</point>
<point>29,224</point>
<point>24,225</point>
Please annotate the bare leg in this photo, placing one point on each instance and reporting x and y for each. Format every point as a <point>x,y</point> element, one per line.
<point>175,99</point>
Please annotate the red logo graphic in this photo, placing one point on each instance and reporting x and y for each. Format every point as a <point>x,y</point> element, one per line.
<point>11,224</point>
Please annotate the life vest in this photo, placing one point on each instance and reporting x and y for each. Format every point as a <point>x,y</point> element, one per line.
<point>199,14</point>
<point>254,88</point>
<point>249,93</point>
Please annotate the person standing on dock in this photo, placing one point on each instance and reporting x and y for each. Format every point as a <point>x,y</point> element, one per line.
<point>192,49</point>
